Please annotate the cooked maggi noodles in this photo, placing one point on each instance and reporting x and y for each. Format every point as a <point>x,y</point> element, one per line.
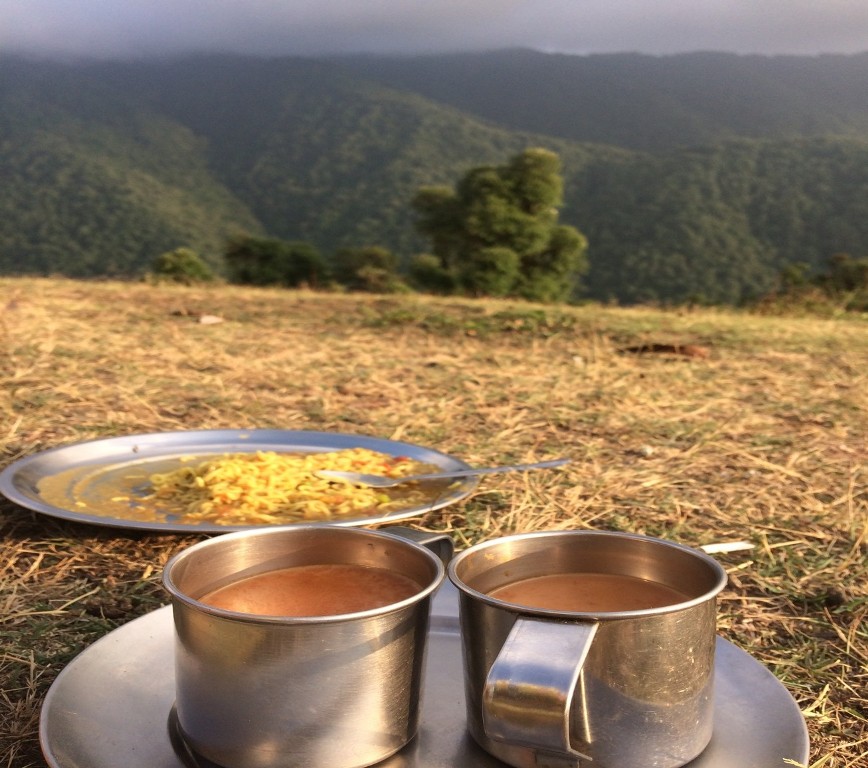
<point>270,487</point>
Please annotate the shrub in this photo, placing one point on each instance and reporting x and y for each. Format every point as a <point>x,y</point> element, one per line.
<point>183,265</point>
<point>269,261</point>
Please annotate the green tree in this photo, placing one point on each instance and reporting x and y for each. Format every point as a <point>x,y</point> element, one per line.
<point>182,265</point>
<point>546,272</point>
<point>269,261</point>
<point>497,232</point>
<point>492,271</point>
<point>370,268</point>
<point>426,272</point>
<point>845,274</point>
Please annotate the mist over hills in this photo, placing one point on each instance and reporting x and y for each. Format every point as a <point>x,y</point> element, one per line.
<point>694,176</point>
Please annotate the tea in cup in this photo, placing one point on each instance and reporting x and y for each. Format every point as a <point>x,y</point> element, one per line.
<point>587,648</point>
<point>300,645</point>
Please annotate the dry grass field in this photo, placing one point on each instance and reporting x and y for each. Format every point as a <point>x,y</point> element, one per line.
<point>758,434</point>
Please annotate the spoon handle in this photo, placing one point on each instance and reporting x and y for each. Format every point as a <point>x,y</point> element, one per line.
<point>380,481</point>
<point>473,471</point>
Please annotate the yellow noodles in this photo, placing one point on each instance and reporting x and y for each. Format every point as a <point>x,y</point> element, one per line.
<point>269,487</point>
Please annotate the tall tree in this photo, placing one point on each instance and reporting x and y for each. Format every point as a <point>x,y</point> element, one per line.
<point>497,233</point>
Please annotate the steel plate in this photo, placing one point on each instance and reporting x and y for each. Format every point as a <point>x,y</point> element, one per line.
<point>83,481</point>
<point>112,705</point>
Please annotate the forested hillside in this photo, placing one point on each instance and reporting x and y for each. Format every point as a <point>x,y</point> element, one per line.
<point>328,158</point>
<point>106,165</point>
<point>641,101</point>
<point>96,184</point>
<point>720,223</point>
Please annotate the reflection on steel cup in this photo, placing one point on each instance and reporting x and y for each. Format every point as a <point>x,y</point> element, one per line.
<point>335,691</point>
<point>611,689</point>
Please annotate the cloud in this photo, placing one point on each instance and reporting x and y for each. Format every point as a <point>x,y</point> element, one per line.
<point>112,28</point>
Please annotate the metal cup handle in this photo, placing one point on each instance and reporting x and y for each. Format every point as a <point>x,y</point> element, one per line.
<point>439,543</point>
<point>530,687</point>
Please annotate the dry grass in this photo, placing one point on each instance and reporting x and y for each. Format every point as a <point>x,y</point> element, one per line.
<point>763,439</point>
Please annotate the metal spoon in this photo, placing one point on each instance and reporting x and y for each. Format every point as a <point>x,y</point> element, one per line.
<point>378,481</point>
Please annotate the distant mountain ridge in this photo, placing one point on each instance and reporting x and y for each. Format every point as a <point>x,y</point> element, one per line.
<point>687,183</point>
<point>639,101</point>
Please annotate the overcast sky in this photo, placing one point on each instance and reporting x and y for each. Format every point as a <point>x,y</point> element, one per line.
<point>120,28</point>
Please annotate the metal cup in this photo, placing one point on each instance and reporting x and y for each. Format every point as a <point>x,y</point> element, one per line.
<point>627,689</point>
<point>338,691</point>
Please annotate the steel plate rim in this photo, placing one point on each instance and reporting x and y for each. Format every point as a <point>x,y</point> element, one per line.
<point>251,439</point>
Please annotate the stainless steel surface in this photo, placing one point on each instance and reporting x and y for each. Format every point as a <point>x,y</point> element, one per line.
<point>378,481</point>
<point>439,543</point>
<point>110,705</point>
<point>85,478</point>
<point>627,689</point>
<point>333,691</point>
<point>536,673</point>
